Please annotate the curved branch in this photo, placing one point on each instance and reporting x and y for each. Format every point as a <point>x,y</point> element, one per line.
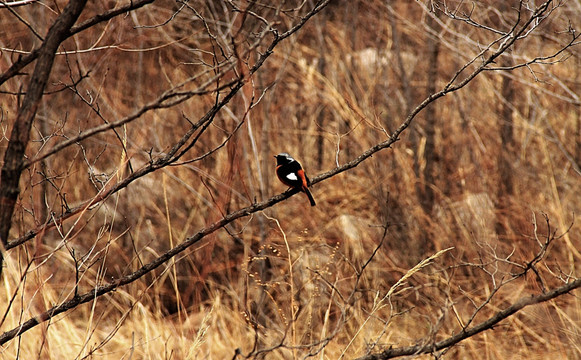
<point>227,219</point>
<point>162,101</point>
<point>34,54</point>
<point>164,161</point>
<point>105,289</point>
<point>485,325</point>
<point>168,99</point>
<point>173,97</point>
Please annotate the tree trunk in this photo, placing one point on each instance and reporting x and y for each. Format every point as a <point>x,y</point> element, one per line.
<point>506,136</point>
<point>20,135</point>
<point>578,115</point>
<point>430,155</point>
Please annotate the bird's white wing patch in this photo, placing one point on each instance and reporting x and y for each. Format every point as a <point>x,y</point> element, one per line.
<point>292,176</point>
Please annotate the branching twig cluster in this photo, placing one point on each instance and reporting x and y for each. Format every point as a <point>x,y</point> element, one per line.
<point>238,49</point>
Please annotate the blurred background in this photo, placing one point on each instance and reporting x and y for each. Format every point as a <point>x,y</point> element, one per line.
<point>479,182</point>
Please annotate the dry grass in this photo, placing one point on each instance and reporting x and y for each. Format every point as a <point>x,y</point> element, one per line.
<point>288,283</point>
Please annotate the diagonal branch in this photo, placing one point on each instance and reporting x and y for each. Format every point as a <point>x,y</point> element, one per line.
<point>159,163</point>
<point>9,4</point>
<point>168,99</point>
<point>173,97</point>
<point>34,54</point>
<point>485,325</point>
<point>453,85</point>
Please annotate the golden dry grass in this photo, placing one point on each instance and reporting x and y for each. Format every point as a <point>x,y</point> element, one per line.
<point>287,282</point>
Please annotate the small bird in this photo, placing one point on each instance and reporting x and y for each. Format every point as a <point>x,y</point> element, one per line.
<point>290,173</point>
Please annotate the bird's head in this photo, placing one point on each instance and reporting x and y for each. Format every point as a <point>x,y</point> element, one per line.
<point>283,158</point>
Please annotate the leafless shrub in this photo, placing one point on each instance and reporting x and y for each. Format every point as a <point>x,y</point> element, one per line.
<point>136,178</point>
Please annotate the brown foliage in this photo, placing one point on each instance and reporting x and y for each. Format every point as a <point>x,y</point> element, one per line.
<point>146,194</point>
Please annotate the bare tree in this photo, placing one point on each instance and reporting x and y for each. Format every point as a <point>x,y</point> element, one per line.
<point>19,138</point>
<point>180,108</point>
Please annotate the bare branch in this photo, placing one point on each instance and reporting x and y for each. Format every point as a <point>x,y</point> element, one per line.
<point>34,54</point>
<point>16,3</point>
<point>483,326</point>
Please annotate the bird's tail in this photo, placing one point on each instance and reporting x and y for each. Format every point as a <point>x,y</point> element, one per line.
<point>310,196</point>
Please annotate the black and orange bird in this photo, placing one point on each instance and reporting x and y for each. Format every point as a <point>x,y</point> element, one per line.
<point>291,173</point>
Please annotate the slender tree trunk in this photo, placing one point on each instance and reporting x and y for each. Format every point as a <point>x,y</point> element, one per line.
<point>578,114</point>
<point>321,116</point>
<point>505,187</point>
<point>430,155</point>
<point>20,135</point>
<point>408,93</point>
<point>506,136</point>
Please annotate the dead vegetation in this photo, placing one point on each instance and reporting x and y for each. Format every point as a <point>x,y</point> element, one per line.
<point>147,224</point>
